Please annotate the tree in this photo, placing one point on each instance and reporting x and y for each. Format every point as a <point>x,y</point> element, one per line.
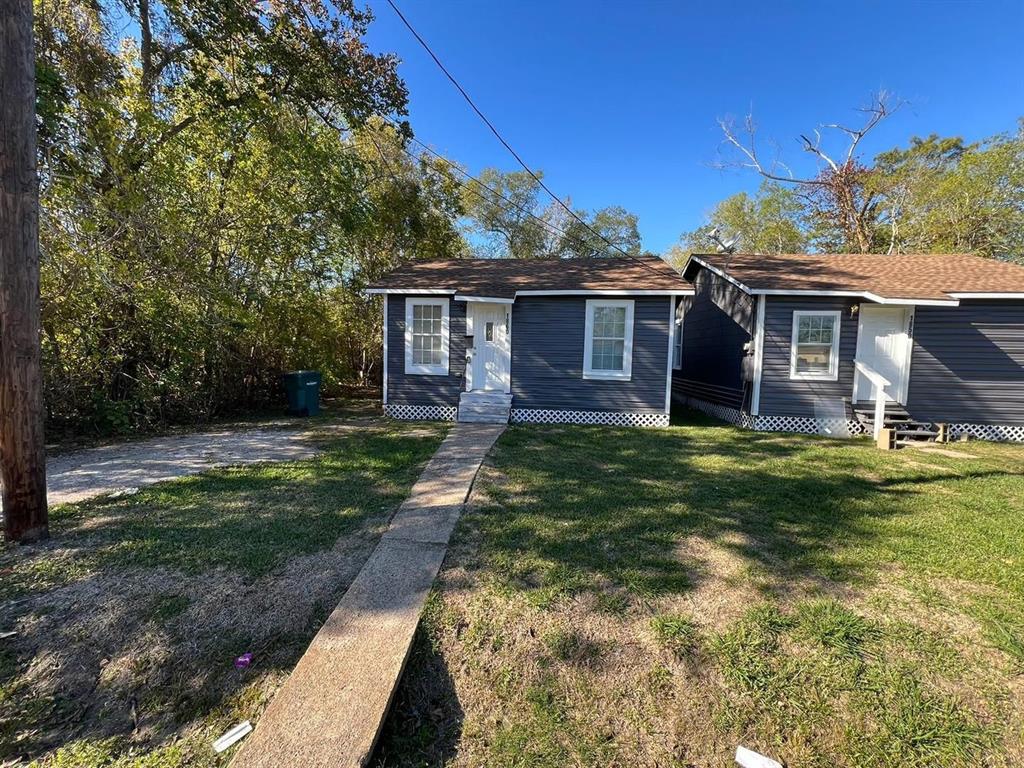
<point>609,231</point>
<point>22,448</point>
<point>218,188</point>
<point>770,221</point>
<point>944,195</point>
<point>841,202</point>
<point>505,218</point>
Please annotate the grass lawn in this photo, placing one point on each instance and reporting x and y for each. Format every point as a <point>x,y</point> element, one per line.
<point>623,597</point>
<point>128,622</point>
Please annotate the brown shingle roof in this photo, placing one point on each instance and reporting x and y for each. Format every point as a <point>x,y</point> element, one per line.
<point>931,277</point>
<point>501,278</point>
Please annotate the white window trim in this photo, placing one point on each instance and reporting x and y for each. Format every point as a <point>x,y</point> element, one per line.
<point>677,337</point>
<point>385,335</point>
<point>427,370</point>
<point>833,363</point>
<point>755,398</point>
<point>627,348</point>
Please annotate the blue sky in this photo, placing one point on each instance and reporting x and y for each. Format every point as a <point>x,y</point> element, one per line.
<point>617,102</point>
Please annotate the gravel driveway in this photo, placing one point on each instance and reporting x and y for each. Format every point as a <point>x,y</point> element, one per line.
<point>95,471</point>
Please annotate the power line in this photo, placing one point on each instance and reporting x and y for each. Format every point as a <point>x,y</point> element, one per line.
<point>504,143</point>
<point>552,227</point>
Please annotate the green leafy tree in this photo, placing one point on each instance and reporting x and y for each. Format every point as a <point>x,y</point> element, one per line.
<point>505,218</point>
<point>609,231</point>
<point>216,193</point>
<point>769,221</point>
<point>944,195</point>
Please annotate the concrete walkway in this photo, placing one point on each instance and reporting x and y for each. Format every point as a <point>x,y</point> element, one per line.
<point>330,710</point>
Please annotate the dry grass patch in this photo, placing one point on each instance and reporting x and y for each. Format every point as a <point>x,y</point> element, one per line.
<point>128,622</point>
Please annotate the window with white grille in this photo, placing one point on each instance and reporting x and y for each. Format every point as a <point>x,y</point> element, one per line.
<point>814,348</point>
<point>608,340</point>
<point>426,336</point>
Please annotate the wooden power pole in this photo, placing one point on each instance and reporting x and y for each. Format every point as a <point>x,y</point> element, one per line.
<point>22,451</point>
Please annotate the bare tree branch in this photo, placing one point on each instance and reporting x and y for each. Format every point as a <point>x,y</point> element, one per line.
<point>749,151</point>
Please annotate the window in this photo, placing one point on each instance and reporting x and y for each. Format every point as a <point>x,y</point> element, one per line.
<point>608,340</point>
<point>426,336</point>
<point>677,340</point>
<point>489,331</point>
<point>814,349</point>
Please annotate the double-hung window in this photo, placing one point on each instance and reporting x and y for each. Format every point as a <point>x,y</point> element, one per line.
<point>426,336</point>
<point>608,340</point>
<point>814,348</point>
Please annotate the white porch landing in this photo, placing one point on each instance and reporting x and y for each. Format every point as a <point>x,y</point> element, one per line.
<point>485,407</point>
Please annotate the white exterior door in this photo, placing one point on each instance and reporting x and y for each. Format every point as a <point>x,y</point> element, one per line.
<point>883,343</point>
<point>491,355</point>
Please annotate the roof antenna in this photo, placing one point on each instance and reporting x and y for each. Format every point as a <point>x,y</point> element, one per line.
<point>727,246</point>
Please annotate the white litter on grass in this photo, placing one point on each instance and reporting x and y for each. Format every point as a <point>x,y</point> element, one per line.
<point>750,759</point>
<point>5,635</point>
<point>236,734</point>
<point>124,492</point>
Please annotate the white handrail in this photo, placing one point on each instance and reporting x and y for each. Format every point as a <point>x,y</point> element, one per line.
<point>880,383</point>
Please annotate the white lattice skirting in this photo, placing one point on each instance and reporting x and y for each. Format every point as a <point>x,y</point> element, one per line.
<point>611,418</point>
<point>723,412</point>
<point>808,425</point>
<point>422,412</point>
<point>997,432</point>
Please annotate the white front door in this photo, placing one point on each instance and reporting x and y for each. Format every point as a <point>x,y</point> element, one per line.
<point>883,343</point>
<point>491,353</point>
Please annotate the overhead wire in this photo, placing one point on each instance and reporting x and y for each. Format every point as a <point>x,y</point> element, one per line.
<point>508,146</point>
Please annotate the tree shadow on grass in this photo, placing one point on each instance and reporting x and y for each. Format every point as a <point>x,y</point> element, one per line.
<point>425,723</point>
<point>129,620</point>
<point>574,507</point>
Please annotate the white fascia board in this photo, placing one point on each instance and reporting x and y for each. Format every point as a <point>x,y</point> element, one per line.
<point>677,292</point>
<point>720,273</point>
<point>858,295</point>
<point>785,292</point>
<point>911,302</point>
<point>486,299</point>
<point>414,291</point>
<point>976,295</point>
<point>461,297</point>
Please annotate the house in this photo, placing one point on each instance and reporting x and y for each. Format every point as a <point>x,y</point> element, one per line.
<point>846,343</point>
<point>583,341</point>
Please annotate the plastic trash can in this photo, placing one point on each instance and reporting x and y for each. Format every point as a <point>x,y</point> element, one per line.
<point>302,389</point>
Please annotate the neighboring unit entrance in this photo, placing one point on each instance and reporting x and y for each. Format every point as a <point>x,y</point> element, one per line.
<point>883,343</point>
<point>490,357</point>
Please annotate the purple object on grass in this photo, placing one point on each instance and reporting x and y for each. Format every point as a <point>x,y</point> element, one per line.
<point>243,661</point>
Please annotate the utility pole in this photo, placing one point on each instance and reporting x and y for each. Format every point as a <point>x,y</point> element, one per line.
<point>22,450</point>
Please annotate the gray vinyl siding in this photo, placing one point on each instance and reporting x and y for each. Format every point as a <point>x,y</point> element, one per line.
<point>967,363</point>
<point>718,322</point>
<point>422,389</point>
<point>781,396</point>
<point>547,357</point>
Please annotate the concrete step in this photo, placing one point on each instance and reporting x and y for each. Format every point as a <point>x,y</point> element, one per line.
<point>483,407</point>
<point>490,417</point>
<point>485,398</point>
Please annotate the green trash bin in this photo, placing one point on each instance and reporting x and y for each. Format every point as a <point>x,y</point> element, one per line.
<point>302,389</point>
